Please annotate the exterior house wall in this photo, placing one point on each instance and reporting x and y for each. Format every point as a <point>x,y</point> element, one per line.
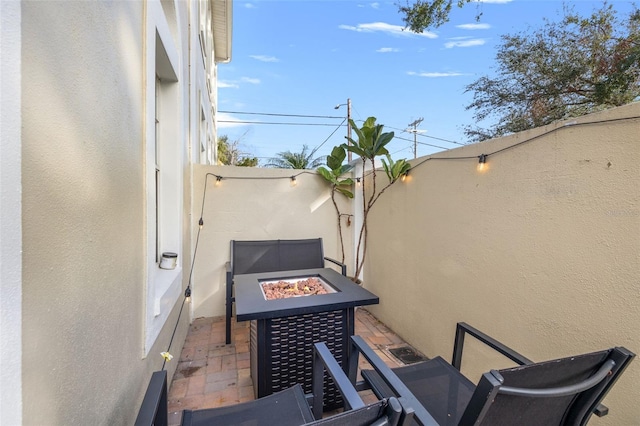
<point>86,352</point>
<point>260,205</point>
<point>83,231</point>
<point>10,217</point>
<point>542,250</point>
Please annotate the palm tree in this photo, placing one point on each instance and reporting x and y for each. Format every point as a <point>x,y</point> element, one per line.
<point>296,160</point>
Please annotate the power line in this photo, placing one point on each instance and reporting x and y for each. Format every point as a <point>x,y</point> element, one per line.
<point>443,140</point>
<point>319,124</point>
<point>427,136</point>
<point>328,137</point>
<point>400,150</point>
<point>310,116</point>
<point>280,115</point>
<point>270,122</point>
<point>421,143</point>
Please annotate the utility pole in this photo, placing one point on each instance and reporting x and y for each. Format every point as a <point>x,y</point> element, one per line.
<point>415,135</point>
<point>348,125</point>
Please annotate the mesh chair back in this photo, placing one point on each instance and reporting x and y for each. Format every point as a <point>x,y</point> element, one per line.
<point>495,408</point>
<point>380,413</point>
<point>290,408</point>
<point>249,257</point>
<point>301,254</point>
<point>285,408</point>
<point>442,390</point>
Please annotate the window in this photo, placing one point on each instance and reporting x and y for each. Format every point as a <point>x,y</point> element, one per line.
<point>164,161</point>
<point>157,167</point>
<point>203,138</point>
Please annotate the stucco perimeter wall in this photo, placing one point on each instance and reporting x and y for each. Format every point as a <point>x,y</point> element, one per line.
<point>83,195</point>
<point>256,204</point>
<point>542,250</point>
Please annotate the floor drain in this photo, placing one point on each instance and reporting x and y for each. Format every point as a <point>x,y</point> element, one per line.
<point>407,355</point>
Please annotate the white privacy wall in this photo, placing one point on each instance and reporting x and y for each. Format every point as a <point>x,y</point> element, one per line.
<point>256,204</point>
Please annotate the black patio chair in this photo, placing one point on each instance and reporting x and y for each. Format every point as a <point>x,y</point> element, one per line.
<point>564,391</point>
<point>290,407</point>
<point>251,257</point>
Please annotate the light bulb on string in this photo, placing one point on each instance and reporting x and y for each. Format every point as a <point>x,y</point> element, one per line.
<point>218,180</point>
<point>482,163</point>
<point>294,182</point>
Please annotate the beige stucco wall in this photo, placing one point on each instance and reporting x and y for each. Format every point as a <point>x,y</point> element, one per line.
<point>542,250</point>
<point>84,230</point>
<point>266,206</point>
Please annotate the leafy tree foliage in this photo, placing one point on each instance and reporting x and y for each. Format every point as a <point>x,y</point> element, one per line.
<point>248,162</point>
<point>296,160</point>
<point>565,69</point>
<point>371,143</point>
<point>229,154</point>
<point>420,15</point>
<point>334,174</point>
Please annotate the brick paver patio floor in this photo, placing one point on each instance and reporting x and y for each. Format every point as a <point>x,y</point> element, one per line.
<point>213,374</point>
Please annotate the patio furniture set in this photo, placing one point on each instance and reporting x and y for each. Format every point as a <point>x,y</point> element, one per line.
<point>304,362</point>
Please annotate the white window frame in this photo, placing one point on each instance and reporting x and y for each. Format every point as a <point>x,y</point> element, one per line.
<point>163,171</point>
<point>202,135</point>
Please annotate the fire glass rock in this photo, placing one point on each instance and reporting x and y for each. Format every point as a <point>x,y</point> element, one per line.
<point>285,289</point>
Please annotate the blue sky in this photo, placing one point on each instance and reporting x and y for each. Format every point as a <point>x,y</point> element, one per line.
<point>303,57</point>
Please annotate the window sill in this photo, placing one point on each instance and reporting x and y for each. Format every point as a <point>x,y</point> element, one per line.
<point>167,285</point>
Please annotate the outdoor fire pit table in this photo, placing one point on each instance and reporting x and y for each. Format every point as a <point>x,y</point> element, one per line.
<point>283,331</point>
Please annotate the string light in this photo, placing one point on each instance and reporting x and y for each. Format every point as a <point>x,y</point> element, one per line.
<point>482,166</point>
<point>482,162</point>
<point>293,181</point>
<point>404,177</point>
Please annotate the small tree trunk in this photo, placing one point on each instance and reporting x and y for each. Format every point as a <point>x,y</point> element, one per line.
<point>335,205</point>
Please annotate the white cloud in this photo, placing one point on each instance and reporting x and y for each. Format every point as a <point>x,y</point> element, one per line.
<point>474,26</point>
<point>250,80</point>
<point>375,5</point>
<point>434,74</point>
<point>387,50</point>
<point>465,43</point>
<point>249,6</point>
<point>264,58</point>
<point>226,84</point>
<point>396,30</point>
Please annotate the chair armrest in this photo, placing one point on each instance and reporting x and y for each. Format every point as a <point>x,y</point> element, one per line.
<point>406,412</point>
<point>323,359</point>
<point>405,396</point>
<point>601,410</point>
<point>153,410</point>
<point>464,328</point>
<point>343,267</point>
<point>229,299</point>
